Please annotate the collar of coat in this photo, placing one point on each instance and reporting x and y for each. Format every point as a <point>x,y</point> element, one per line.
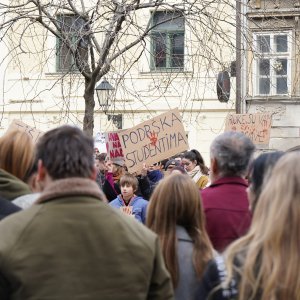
<point>71,187</point>
<point>228,180</point>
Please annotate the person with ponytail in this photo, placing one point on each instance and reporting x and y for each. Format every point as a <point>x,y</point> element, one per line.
<point>194,165</point>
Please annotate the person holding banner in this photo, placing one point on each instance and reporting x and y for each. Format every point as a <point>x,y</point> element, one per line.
<point>100,167</point>
<point>114,171</point>
<point>194,165</point>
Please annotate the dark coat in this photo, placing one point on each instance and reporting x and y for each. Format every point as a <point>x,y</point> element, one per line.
<point>72,245</point>
<point>110,192</point>
<point>215,275</point>
<point>226,208</point>
<point>7,208</point>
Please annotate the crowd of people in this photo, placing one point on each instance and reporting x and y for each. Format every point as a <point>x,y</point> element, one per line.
<point>76,224</point>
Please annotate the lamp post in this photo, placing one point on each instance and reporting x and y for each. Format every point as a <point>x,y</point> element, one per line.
<point>103,91</point>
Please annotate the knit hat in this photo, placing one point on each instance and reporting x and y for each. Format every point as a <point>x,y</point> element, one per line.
<point>119,161</point>
<point>172,162</point>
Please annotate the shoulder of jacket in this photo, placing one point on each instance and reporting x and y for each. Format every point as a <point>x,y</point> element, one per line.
<point>137,230</point>
<point>13,227</point>
<point>202,182</point>
<point>142,201</point>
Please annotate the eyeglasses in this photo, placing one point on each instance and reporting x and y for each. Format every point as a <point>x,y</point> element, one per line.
<point>170,167</point>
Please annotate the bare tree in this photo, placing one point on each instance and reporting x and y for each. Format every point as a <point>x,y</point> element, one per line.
<point>97,36</point>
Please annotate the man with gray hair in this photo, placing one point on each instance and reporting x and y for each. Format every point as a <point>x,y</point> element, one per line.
<point>225,201</point>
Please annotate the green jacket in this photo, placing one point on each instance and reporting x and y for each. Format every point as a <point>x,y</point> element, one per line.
<point>72,245</point>
<point>11,187</point>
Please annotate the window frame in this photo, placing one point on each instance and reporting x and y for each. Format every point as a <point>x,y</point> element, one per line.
<point>74,36</point>
<point>272,56</point>
<point>168,33</point>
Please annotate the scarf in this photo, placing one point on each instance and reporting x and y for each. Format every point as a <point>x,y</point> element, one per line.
<point>195,174</point>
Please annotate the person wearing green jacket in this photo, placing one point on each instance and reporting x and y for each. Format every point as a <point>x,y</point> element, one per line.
<point>71,244</point>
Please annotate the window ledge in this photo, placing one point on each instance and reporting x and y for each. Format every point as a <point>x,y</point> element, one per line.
<point>19,101</point>
<point>162,72</point>
<point>61,73</point>
<point>282,12</point>
<point>275,99</point>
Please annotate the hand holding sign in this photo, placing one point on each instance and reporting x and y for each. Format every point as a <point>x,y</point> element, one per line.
<point>153,140</point>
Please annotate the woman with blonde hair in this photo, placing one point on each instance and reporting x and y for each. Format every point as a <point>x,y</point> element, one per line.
<point>16,159</point>
<point>264,264</point>
<point>175,214</point>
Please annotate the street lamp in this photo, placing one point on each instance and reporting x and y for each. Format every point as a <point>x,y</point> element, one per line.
<point>103,91</point>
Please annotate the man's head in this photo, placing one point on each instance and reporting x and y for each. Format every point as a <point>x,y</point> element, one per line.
<point>65,152</point>
<point>172,163</point>
<point>230,153</point>
<point>100,163</point>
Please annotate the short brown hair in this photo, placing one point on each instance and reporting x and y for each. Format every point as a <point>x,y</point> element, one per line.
<point>16,153</point>
<point>129,179</point>
<point>66,152</point>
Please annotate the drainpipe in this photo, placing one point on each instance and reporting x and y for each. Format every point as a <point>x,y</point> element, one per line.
<point>238,100</point>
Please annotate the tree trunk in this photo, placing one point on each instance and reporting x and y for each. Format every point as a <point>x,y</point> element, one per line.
<point>88,120</point>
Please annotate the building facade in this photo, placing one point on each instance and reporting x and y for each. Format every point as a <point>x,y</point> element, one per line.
<point>273,65</point>
<point>177,65</point>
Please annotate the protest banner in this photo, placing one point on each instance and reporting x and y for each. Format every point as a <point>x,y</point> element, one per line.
<point>113,145</point>
<point>256,126</point>
<point>153,140</point>
<point>34,133</point>
<point>99,142</point>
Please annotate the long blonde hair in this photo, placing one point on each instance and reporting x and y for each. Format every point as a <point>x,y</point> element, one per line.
<point>16,153</point>
<point>267,258</point>
<point>176,201</point>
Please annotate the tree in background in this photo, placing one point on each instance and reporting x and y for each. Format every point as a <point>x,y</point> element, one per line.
<point>92,39</point>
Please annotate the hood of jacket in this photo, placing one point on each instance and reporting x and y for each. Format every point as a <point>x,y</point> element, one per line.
<point>74,186</point>
<point>155,175</point>
<point>132,201</point>
<point>12,187</point>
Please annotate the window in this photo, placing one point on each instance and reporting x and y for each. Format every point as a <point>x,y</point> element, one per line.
<point>272,64</point>
<point>167,40</point>
<point>75,31</point>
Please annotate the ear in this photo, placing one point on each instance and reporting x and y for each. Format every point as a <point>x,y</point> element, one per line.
<point>214,166</point>
<point>93,175</point>
<point>41,173</point>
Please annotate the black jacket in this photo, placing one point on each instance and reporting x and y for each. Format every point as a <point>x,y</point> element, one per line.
<point>7,208</point>
<point>210,287</point>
